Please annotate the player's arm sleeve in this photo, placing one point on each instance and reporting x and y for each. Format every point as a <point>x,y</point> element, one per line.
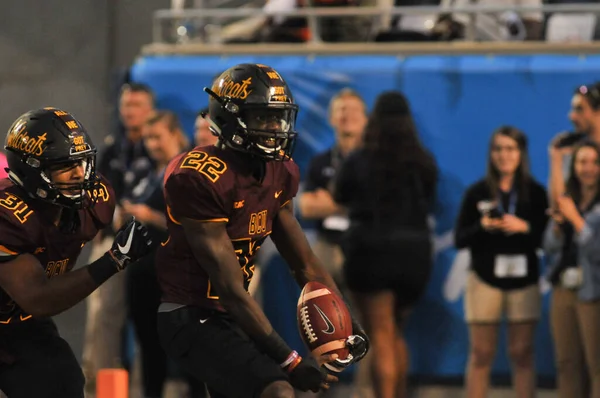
<point>106,200</point>
<point>291,186</point>
<point>196,198</point>
<point>13,240</point>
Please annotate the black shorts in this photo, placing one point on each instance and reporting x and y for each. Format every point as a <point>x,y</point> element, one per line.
<point>400,267</point>
<point>217,353</point>
<point>36,362</point>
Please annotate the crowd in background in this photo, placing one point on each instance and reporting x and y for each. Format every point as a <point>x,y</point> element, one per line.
<point>135,163</point>
<point>433,26</point>
<point>370,195</point>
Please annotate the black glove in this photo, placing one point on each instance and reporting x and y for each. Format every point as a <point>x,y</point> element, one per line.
<point>307,375</point>
<point>131,243</point>
<point>358,344</point>
<point>361,344</point>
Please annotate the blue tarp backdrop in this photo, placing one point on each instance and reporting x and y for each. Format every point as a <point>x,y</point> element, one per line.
<point>457,102</point>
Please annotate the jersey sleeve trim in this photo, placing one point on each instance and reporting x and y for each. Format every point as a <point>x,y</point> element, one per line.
<point>285,203</point>
<point>178,223</point>
<point>215,220</point>
<point>4,251</point>
<point>171,216</point>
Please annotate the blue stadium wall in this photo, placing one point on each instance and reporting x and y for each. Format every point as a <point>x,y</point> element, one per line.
<point>457,102</point>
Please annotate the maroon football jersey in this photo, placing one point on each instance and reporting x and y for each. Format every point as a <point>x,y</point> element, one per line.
<point>26,226</point>
<point>216,185</point>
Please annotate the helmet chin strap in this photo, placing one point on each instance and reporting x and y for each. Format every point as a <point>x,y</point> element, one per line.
<point>15,178</point>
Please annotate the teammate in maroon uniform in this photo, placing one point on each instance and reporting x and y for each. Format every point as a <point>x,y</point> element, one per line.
<point>50,206</point>
<point>223,201</point>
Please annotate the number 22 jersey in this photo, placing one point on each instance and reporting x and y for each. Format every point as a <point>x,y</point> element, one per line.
<point>210,184</point>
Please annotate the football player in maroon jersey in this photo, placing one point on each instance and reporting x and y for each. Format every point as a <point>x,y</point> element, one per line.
<point>223,201</point>
<point>51,205</point>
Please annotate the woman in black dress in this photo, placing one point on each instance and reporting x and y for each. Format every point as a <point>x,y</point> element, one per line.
<point>388,187</point>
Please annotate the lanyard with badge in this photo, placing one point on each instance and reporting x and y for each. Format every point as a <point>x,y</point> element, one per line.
<point>512,202</point>
<point>510,265</point>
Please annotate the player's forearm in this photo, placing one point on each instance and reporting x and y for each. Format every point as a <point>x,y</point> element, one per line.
<point>224,272</point>
<point>246,312</point>
<point>60,293</point>
<point>313,271</point>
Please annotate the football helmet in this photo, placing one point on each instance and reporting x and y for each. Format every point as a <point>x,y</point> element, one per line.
<point>252,110</point>
<point>48,139</point>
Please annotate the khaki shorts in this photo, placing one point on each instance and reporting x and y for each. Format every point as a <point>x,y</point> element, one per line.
<point>487,304</point>
<point>332,258</point>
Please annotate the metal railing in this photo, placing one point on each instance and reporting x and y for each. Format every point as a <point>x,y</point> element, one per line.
<point>180,17</point>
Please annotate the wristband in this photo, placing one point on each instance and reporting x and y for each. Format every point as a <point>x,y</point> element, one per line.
<point>274,346</point>
<point>102,269</point>
<point>293,355</point>
<point>294,364</point>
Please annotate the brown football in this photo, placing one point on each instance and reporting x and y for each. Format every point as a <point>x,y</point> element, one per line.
<point>323,320</point>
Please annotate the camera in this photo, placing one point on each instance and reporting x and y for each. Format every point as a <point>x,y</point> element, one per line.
<point>569,139</point>
<point>489,208</point>
<point>495,213</point>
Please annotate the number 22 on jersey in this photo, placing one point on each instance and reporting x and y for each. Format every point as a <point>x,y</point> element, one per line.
<point>212,167</point>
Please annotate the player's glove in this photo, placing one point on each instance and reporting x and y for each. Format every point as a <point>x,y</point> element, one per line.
<point>131,243</point>
<point>305,374</point>
<point>358,344</point>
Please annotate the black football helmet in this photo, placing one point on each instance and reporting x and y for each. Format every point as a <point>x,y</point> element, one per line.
<point>251,109</point>
<point>48,139</point>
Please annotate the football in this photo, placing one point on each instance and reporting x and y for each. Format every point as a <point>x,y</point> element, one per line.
<point>323,320</point>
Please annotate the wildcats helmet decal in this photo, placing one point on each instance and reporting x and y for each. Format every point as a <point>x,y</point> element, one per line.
<point>252,110</point>
<point>43,141</point>
<point>226,87</point>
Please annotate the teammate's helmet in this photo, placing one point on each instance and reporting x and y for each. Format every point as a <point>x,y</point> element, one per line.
<point>252,110</point>
<point>43,140</point>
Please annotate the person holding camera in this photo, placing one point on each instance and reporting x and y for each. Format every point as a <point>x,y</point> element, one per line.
<point>502,221</point>
<point>585,116</point>
<point>572,241</point>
